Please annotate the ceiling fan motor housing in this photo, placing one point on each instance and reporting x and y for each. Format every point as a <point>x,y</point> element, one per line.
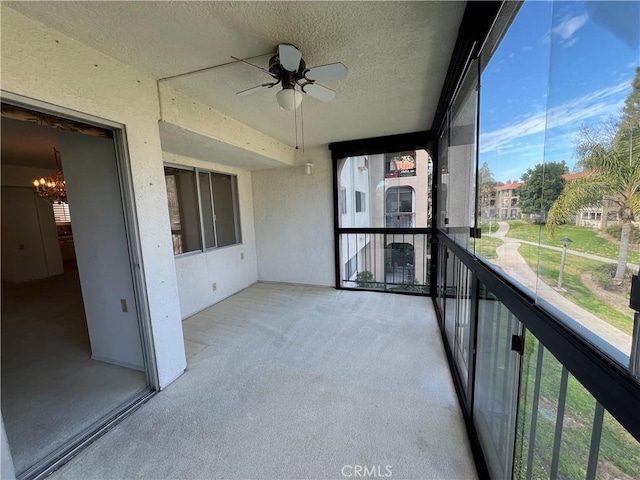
<point>286,77</point>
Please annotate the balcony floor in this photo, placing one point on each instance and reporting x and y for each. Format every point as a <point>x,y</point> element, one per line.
<point>287,381</point>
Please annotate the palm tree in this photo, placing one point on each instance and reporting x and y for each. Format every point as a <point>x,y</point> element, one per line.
<point>610,156</point>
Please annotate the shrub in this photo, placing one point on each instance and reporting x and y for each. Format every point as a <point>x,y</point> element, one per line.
<point>411,286</point>
<point>603,276</point>
<point>616,230</point>
<point>366,279</point>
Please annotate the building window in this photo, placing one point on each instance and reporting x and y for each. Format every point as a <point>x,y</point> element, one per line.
<point>61,213</point>
<point>399,205</point>
<point>360,202</point>
<point>203,209</point>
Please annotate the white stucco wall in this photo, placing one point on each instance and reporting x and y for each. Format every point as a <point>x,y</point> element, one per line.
<point>294,221</point>
<point>232,268</point>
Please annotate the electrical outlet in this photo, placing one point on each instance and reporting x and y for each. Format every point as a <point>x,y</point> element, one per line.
<point>241,255</point>
<point>214,286</point>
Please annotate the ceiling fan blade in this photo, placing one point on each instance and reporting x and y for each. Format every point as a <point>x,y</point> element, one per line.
<point>319,92</point>
<point>289,57</point>
<point>332,71</point>
<point>251,90</point>
<point>254,66</point>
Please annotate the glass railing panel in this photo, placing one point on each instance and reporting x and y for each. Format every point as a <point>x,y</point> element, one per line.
<point>496,382</point>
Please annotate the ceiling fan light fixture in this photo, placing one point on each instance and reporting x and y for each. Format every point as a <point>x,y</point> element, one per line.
<point>289,98</point>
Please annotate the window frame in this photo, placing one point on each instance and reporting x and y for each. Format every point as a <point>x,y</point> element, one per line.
<point>235,197</point>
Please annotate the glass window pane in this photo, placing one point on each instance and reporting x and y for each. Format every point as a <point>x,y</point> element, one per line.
<point>385,190</point>
<point>207,210</point>
<point>225,202</point>
<point>559,158</point>
<point>443,177</point>
<point>183,210</point>
<point>496,382</point>
<point>462,161</point>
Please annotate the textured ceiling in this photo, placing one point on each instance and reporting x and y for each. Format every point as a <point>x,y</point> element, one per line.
<point>397,54</point>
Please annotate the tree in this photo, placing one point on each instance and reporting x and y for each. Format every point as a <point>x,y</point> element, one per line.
<point>487,185</point>
<point>610,156</point>
<point>484,175</point>
<point>541,187</point>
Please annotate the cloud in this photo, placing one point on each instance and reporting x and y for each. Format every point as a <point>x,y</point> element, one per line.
<point>570,26</point>
<point>571,113</point>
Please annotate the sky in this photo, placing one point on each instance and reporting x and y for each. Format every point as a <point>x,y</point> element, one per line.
<point>561,65</point>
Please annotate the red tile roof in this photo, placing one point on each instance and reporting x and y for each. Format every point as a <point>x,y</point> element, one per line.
<point>509,186</point>
<point>572,176</point>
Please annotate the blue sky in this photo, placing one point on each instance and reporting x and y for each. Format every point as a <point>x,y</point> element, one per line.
<point>560,65</point>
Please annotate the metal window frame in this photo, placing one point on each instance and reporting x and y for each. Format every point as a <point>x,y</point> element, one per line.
<point>235,205</point>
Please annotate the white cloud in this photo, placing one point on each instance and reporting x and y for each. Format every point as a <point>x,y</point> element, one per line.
<point>570,26</point>
<point>598,104</point>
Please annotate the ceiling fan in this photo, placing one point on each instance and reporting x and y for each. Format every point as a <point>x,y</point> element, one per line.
<point>288,68</point>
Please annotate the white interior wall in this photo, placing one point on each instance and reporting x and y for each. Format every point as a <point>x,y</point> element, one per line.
<point>231,268</point>
<point>6,461</point>
<point>16,176</point>
<point>294,221</point>
<point>102,253</point>
<point>30,248</point>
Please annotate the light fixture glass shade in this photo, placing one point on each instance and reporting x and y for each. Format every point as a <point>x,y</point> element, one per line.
<point>289,98</point>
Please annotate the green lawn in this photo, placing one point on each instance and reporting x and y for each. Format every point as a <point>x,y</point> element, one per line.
<point>584,239</point>
<point>486,246</point>
<point>577,292</point>
<point>619,455</point>
<point>485,227</point>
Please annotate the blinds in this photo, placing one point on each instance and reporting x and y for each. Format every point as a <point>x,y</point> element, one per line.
<point>61,213</point>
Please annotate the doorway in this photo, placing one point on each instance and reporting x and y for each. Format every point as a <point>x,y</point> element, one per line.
<point>73,353</point>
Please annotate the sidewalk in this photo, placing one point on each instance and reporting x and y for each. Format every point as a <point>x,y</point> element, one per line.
<point>510,260</point>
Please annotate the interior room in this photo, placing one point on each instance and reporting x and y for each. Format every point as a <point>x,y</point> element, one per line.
<point>57,381</point>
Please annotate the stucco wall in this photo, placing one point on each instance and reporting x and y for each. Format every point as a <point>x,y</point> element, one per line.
<point>232,268</point>
<point>294,221</point>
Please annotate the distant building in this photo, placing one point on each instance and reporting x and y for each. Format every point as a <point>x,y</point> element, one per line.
<point>595,216</point>
<point>507,202</point>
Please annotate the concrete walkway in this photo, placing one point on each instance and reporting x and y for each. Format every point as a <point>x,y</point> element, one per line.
<point>514,265</point>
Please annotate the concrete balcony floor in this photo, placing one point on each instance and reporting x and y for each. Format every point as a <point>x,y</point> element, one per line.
<point>286,381</point>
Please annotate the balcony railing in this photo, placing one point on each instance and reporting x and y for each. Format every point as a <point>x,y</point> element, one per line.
<point>543,402</point>
<point>394,261</point>
<point>400,220</point>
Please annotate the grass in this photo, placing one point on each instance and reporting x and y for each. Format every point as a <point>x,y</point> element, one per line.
<point>486,246</point>
<point>577,292</point>
<point>585,240</point>
<point>619,454</point>
<point>485,227</point>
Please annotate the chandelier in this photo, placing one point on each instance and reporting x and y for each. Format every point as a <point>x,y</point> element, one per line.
<point>53,187</point>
